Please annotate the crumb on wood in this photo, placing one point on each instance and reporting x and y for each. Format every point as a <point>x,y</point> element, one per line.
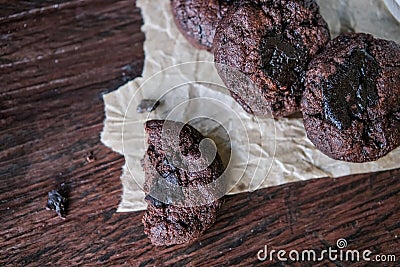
<point>90,157</point>
<point>58,201</point>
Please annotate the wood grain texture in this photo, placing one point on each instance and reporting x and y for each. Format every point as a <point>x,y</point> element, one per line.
<point>57,58</point>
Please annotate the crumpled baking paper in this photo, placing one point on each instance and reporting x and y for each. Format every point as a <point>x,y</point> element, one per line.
<point>257,152</point>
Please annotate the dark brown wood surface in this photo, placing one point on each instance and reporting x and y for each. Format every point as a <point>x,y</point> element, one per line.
<point>57,58</point>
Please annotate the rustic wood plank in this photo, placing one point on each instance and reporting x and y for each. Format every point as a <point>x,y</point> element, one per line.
<point>56,60</point>
<point>16,7</point>
<point>55,64</point>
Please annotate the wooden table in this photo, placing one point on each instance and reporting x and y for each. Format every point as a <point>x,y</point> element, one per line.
<point>57,58</point>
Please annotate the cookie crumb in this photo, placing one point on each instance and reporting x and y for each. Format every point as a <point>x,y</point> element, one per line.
<point>58,201</point>
<point>147,105</point>
<point>90,157</point>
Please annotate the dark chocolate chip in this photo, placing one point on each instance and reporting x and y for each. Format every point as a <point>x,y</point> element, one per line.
<point>58,201</point>
<point>156,203</point>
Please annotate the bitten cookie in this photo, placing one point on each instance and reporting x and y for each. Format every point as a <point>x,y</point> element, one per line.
<point>179,208</point>
<point>198,19</point>
<point>261,51</point>
<point>351,104</point>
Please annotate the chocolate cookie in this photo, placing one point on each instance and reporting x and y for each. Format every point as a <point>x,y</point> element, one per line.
<point>178,169</point>
<point>351,104</point>
<point>261,51</point>
<point>198,19</point>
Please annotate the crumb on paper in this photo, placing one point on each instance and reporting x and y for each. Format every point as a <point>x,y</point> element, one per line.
<point>58,201</point>
<point>147,105</point>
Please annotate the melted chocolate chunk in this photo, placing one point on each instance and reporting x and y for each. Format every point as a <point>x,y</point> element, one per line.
<point>152,201</point>
<point>167,189</point>
<point>170,172</point>
<point>281,61</point>
<point>167,163</point>
<point>172,179</point>
<point>351,90</point>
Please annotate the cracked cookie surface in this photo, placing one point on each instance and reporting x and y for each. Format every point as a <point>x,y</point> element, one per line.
<point>261,51</point>
<point>166,220</point>
<point>351,104</point>
<point>197,20</point>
